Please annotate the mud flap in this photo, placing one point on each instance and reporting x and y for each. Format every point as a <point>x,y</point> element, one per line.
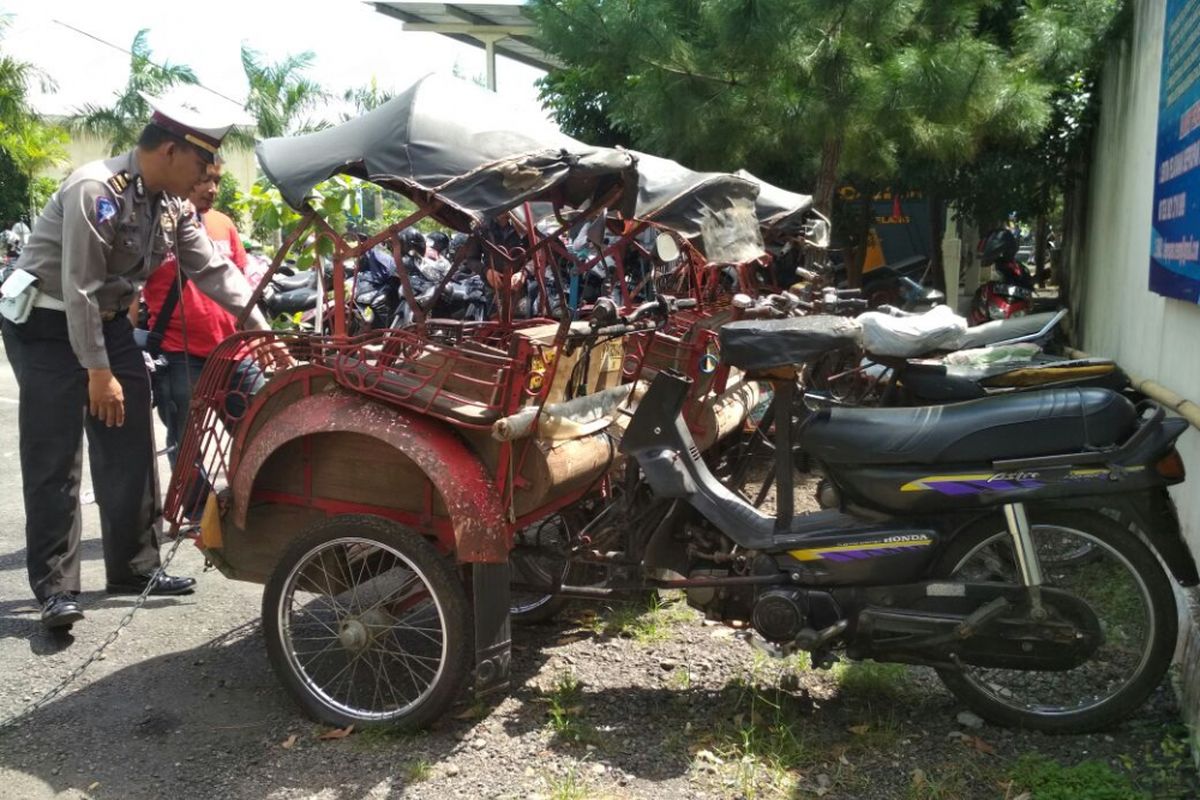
<point>493,631</point>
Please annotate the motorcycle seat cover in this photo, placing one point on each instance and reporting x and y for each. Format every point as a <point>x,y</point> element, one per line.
<point>1023,424</point>
<point>755,345</point>
<point>291,301</point>
<point>1002,330</point>
<point>301,280</point>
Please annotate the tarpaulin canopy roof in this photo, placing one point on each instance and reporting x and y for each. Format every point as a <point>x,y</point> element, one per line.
<point>682,199</point>
<point>447,138</point>
<point>779,209</point>
<point>482,156</point>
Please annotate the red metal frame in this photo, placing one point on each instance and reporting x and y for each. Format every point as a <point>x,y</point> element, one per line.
<point>414,387</point>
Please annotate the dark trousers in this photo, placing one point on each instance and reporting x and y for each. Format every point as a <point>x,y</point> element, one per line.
<point>174,378</point>
<point>53,416</point>
<point>173,384</point>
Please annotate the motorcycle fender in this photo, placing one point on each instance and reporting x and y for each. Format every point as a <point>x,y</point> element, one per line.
<point>1155,518</point>
<point>480,532</point>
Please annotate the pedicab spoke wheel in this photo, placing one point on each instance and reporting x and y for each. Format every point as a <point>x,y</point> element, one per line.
<point>367,626</point>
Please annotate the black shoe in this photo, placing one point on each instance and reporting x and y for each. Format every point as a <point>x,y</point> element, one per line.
<point>165,585</point>
<point>61,611</point>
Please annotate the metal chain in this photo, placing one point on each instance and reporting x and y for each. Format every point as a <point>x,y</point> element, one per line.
<point>74,674</point>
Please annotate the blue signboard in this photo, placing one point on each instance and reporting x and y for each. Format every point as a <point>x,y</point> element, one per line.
<point>1175,233</point>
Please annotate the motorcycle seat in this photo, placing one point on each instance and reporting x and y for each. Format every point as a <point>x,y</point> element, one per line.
<point>289,302</point>
<point>1018,425</point>
<point>757,345</point>
<point>1002,330</point>
<point>301,280</point>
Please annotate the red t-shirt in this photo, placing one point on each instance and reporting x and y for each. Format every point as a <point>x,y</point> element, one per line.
<point>207,323</point>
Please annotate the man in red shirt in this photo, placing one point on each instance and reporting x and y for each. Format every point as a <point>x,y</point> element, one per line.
<point>196,325</point>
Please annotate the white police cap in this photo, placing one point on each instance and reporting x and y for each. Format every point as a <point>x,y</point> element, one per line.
<point>201,130</point>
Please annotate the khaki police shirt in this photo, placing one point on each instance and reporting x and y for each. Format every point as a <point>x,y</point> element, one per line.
<point>101,235</point>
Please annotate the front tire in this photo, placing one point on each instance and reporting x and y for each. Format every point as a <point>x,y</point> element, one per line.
<point>367,624</point>
<point>1126,588</point>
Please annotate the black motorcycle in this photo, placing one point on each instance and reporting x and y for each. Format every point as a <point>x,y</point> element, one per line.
<point>966,537</point>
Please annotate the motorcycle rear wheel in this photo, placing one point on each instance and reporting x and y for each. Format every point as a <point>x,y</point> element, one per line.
<point>1126,587</point>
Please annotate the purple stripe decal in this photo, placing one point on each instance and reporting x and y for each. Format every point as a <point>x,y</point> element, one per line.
<point>953,487</point>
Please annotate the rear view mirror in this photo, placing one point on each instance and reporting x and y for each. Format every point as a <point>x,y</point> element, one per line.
<point>665,248</point>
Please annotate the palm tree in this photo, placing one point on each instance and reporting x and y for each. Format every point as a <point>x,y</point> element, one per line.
<point>30,144</point>
<point>365,98</point>
<point>120,123</point>
<point>16,78</point>
<point>280,94</point>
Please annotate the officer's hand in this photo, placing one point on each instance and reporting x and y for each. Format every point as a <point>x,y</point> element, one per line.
<point>275,357</point>
<point>106,400</point>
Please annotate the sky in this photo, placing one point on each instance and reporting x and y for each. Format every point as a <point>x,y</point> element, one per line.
<point>352,43</point>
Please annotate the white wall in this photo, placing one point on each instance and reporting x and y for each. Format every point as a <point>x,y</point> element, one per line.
<point>81,149</point>
<point>1150,335</point>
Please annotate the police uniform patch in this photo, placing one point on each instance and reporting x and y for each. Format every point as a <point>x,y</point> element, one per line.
<point>106,209</point>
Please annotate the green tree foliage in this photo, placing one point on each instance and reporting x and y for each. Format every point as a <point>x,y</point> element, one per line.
<point>27,143</point>
<point>228,197</point>
<point>365,98</point>
<point>1072,40</point>
<point>14,191</point>
<point>280,94</point>
<point>795,89</point>
<point>120,123</point>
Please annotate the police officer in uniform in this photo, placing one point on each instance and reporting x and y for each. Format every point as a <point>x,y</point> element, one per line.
<point>77,365</point>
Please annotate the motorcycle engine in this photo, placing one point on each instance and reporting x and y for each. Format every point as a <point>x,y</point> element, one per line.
<point>723,603</point>
<point>780,614</point>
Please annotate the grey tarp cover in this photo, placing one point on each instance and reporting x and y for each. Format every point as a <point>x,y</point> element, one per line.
<point>779,209</point>
<point>447,137</point>
<point>679,198</point>
<point>716,207</point>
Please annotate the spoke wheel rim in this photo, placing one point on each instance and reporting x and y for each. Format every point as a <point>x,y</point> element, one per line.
<point>979,678</point>
<point>546,569</point>
<point>354,607</point>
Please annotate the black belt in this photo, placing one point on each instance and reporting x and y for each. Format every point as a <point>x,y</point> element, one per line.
<point>109,316</point>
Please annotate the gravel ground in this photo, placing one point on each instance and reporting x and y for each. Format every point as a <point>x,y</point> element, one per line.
<point>605,703</point>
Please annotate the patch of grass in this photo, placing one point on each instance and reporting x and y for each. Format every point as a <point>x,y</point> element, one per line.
<point>654,621</point>
<point>566,711</point>
<point>870,682</point>
<point>762,746</point>
<point>679,679</point>
<point>376,736</point>
<point>1046,779</point>
<point>419,770</point>
<point>1165,769</point>
<point>568,787</point>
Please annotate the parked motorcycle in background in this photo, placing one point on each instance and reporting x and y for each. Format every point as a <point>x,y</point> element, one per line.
<point>1010,294</point>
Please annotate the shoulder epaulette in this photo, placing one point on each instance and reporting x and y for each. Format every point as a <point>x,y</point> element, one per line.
<point>119,182</point>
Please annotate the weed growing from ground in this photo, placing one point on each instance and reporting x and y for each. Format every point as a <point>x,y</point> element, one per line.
<point>646,623</point>
<point>1046,779</point>
<point>419,770</point>
<point>565,709</point>
<point>568,787</point>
